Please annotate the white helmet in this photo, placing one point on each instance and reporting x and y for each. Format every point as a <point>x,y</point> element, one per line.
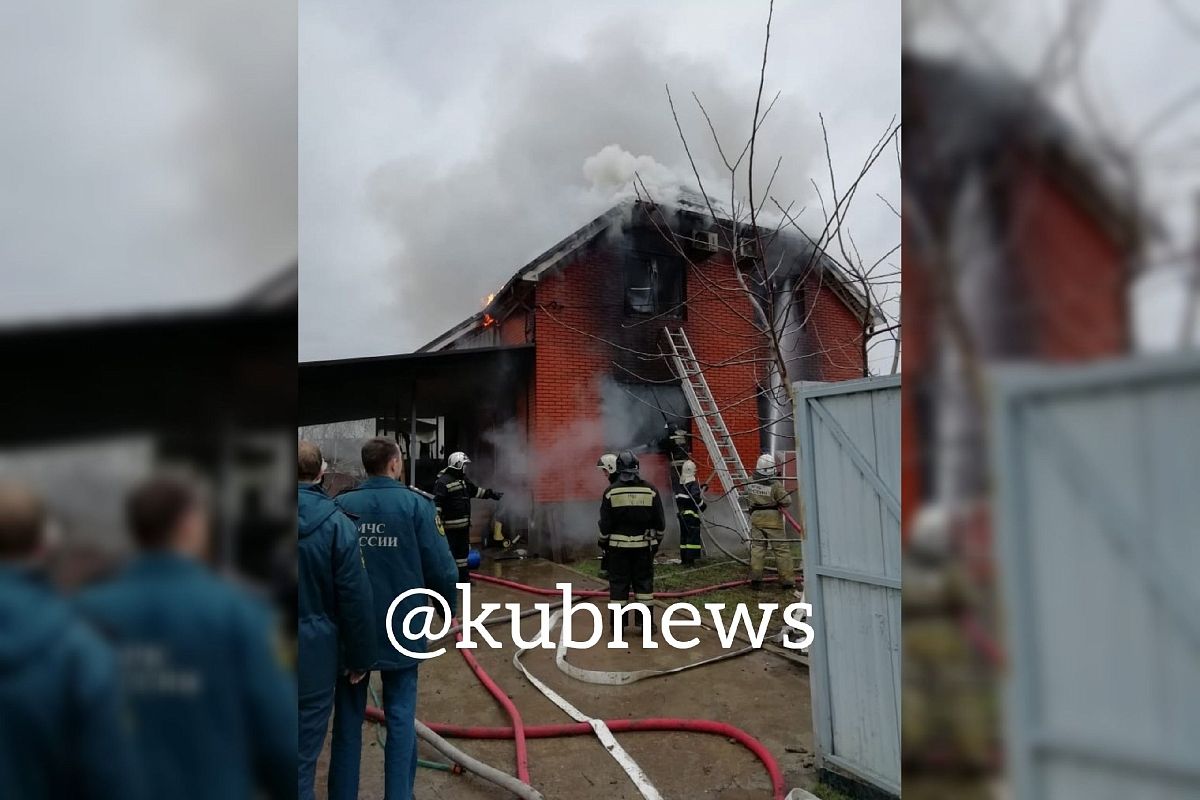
<point>457,460</point>
<point>687,472</point>
<point>765,465</point>
<point>607,463</point>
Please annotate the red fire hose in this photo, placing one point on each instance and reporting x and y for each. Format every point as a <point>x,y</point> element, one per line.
<point>518,725</point>
<point>627,726</point>
<point>541,590</point>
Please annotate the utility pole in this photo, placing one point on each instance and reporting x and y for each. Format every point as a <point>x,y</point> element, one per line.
<point>1191,299</point>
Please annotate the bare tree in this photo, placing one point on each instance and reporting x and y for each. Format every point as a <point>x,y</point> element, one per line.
<point>774,260</point>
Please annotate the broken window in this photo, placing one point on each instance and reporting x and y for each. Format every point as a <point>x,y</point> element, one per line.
<point>654,285</point>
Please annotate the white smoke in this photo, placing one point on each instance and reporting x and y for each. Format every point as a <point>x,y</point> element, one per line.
<point>617,174</point>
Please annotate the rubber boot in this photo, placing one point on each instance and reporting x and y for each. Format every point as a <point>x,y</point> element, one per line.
<point>755,584</point>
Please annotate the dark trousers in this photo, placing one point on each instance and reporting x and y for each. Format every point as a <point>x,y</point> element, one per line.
<point>400,752</point>
<point>690,547</point>
<point>314,721</point>
<point>630,568</point>
<point>460,548</point>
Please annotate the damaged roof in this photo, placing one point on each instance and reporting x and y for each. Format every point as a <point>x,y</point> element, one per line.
<point>686,202</point>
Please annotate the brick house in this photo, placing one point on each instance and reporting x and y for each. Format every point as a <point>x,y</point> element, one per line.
<point>1036,248</point>
<point>593,307</point>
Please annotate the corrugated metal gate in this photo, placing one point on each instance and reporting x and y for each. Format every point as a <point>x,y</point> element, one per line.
<point>849,436</point>
<point>1098,541</point>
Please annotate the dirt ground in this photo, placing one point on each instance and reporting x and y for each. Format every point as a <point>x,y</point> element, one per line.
<point>763,693</point>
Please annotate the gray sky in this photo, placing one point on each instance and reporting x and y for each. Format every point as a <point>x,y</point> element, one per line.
<point>147,152</point>
<point>441,151</point>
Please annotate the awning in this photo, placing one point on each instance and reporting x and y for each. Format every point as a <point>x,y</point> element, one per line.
<point>439,383</point>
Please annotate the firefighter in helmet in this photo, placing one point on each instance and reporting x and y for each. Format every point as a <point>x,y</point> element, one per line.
<point>766,499</point>
<point>631,529</point>
<point>452,493</point>
<point>689,504</point>
<point>608,465</point>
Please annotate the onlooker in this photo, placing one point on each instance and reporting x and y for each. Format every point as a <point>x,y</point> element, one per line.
<point>335,608</point>
<point>212,706</point>
<point>61,720</point>
<point>404,548</point>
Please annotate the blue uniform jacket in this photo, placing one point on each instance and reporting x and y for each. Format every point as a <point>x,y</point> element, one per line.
<point>63,732</point>
<point>213,709</point>
<point>404,549</point>
<point>334,595</point>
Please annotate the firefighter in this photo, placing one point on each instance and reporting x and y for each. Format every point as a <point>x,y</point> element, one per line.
<point>675,444</point>
<point>404,548</point>
<point>453,493</point>
<point>767,498</point>
<point>631,527</point>
<point>689,504</point>
<point>214,714</point>
<point>336,609</point>
<point>608,465</point>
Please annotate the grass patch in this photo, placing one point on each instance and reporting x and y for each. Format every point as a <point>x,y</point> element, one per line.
<point>709,572</point>
<point>827,792</point>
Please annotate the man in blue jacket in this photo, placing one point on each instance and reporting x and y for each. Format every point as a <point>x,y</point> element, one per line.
<point>405,548</point>
<point>212,706</point>
<point>336,609</point>
<point>62,729</point>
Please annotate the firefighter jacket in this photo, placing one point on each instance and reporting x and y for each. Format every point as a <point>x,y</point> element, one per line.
<point>404,549</point>
<point>765,497</point>
<point>64,730</point>
<point>336,603</point>
<point>631,515</point>
<point>689,500</point>
<point>213,708</point>
<point>453,492</point>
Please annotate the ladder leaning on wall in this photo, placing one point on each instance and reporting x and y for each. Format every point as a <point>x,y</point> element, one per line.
<point>721,451</point>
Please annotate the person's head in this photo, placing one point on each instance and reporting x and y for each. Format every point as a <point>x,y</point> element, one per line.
<point>310,466</point>
<point>168,513</point>
<point>381,457</point>
<point>22,523</point>
<point>765,466</point>
<point>687,472</point>
<point>627,465</point>
<point>457,461</point>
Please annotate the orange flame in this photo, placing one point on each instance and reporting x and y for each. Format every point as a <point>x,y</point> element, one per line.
<point>488,320</point>
<point>487,301</point>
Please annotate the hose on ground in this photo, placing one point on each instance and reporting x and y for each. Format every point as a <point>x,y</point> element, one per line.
<point>545,592</point>
<point>629,726</point>
<point>507,704</point>
<point>474,765</point>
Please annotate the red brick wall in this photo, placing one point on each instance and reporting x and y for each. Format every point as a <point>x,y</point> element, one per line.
<point>585,298</point>
<point>835,333</point>
<point>1073,280</point>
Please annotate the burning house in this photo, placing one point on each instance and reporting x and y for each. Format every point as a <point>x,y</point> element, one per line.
<point>565,361</point>
<point>594,306</point>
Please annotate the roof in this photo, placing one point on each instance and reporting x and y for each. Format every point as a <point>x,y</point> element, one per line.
<point>378,386</point>
<point>687,202</point>
<point>957,116</point>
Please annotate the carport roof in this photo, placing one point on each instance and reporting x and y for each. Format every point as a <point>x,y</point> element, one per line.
<point>378,386</point>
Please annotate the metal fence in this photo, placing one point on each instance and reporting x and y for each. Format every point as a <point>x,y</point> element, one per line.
<point>1098,544</point>
<point>849,436</point>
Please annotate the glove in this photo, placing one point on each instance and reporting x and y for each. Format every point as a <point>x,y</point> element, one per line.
<point>654,547</point>
<point>492,494</point>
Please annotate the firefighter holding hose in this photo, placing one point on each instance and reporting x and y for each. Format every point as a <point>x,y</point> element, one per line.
<point>689,504</point>
<point>767,498</point>
<point>453,492</point>
<point>607,465</point>
<point>631,528</point>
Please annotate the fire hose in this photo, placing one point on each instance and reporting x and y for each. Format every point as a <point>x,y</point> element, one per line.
<point>584,724</point>
<point>656,725</point>
<point>544,592</point>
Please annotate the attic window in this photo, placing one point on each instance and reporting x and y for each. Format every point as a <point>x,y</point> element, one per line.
<point>654,285</point>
